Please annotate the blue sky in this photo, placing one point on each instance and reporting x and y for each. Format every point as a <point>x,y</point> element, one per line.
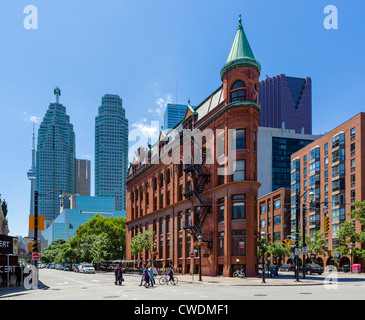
<point>144,50</point>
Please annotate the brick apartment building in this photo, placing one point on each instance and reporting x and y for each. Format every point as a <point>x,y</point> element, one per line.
<point>274,215</point>
<point>333,167</point>
<point>215,200</point>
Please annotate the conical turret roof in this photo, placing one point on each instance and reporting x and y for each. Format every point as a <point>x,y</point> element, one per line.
<point>241,53</point>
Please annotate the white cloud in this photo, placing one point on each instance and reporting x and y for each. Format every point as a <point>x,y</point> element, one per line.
<point>31,118</point>
<point>161,104</point>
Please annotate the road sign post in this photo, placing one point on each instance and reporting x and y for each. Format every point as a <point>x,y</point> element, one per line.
<point>35,256</point>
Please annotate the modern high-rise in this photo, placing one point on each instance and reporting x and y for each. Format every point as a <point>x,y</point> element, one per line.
<point>55,158</point>
<point>286,102</point>
<point>174,113</point>
<point>111,150</point>
<point>83,178</point>
<point>274,150</point>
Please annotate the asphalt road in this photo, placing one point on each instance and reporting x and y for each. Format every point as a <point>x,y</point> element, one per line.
<point>66,285</point>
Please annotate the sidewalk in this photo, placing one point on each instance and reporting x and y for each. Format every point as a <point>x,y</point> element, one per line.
<point>284,280</point>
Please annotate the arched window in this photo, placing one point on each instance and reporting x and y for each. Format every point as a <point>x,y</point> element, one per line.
<point>238,91</point>
<point>168,176</point>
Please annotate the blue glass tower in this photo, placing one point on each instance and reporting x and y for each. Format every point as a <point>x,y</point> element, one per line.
<point>56,162</point>
<point>111,150</point>
<point>174,114</point>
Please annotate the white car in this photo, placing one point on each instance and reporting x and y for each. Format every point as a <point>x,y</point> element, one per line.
<point>86,268</point>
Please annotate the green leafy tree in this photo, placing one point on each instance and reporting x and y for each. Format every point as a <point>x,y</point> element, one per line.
<point>317,244</point>
<point>50,254</point>
<point>112,228</point>
<point>347,235</point>
<point>142,241</point>
<point>277,251</point>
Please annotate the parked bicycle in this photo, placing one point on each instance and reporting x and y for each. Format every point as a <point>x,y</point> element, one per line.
<point>239,273</point>
<point>166,279</point>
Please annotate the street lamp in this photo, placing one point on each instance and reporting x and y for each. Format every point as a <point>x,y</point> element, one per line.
<point>263,235</point>
<point>36,196</point>
<point>312,196</point>
<point>200,239</point>
<point>352,245</point>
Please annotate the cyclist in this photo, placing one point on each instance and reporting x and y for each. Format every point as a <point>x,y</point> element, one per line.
<point>171,275</point>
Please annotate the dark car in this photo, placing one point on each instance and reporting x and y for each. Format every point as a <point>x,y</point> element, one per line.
<point>287,267</point>
<point>312,268</point>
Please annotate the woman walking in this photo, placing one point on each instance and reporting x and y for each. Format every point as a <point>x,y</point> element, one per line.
<point>146,277</point>
<point>152,276</point>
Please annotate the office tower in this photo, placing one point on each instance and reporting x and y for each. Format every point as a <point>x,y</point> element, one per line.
<point>80,211</point>
<point>55,158</point>
<point>111,150</point>
<point>174,113</point>
<point>327,178</point>
<point>210,202</point>
<point>275,147</point>
<point>286,102</point>
<point>83,179</point>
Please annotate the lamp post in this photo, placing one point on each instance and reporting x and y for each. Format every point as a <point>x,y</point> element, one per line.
<point>263,235</point>
<point>351,247</point>
<point>36,196</point>
<point>312,196</point>
<point>200,239</point>
<point>297,217</point>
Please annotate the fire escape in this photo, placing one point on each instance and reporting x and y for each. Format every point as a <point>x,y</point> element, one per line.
<point>200,177</point>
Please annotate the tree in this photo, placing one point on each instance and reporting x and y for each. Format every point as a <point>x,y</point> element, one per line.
<point>142,241</point>
<point>277,251</point>
<point>317,244</point>
<point>347,234</point>
<point>112,228</point>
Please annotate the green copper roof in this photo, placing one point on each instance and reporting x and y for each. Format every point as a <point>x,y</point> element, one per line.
<point>241,53</point>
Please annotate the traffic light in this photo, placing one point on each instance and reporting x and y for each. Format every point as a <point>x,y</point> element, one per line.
<point>32,246</point>
<point>326,224</point>
<point>285,244</point>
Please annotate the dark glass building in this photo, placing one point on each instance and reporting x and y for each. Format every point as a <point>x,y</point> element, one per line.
<point>286,102</point>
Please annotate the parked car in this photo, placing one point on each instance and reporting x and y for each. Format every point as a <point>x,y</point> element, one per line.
<point>86,268</point>
<point>287,267</point>
<point>312,268</point>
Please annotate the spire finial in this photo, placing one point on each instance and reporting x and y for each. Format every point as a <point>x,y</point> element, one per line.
<point>240,20</point>
<point>57,93</point>
<point>189,101</point>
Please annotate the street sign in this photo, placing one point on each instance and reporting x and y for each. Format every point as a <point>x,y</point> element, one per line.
<point>304,250</point>
<point>35,256</point>
<point>292,245</point>
<point>192,255</point>
<point>298,251</point>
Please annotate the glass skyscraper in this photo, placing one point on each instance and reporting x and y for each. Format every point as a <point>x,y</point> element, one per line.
<point>81,211</point>
<point>286,102</point>
<point>174,113</point>
<point>56,162</point>
<point>111,150</point>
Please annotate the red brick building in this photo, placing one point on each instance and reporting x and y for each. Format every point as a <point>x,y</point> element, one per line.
<point>274,215</point>
<point>213,196</point>
<point>333,167</point>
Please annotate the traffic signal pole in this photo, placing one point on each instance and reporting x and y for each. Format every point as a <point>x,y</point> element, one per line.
<point>35,225</point>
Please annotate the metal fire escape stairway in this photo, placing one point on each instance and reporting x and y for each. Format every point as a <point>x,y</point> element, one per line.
<point>201,179</point>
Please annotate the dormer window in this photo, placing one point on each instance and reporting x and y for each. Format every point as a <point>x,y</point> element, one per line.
<point>238,91</point>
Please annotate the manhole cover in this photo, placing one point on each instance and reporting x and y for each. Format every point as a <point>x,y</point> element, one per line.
<point>305,293</point>
<point>260,295</point>
<point>111,297</point>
